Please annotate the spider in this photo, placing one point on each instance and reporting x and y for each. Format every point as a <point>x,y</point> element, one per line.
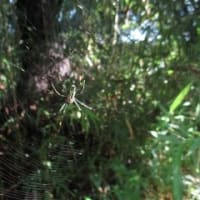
<point>71,99</point>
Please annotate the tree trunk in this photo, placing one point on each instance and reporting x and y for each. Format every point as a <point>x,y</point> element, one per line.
<point>41,53</point>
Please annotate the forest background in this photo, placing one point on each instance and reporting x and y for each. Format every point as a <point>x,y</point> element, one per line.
<point>100,99</point>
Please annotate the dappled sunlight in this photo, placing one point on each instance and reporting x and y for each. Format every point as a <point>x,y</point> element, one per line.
<point>99,100</point>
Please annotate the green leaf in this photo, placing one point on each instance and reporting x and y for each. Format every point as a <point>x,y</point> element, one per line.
<point>177,180</point>
<point>179,99</point>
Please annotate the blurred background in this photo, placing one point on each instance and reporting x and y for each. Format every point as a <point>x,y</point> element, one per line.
<point>100,100</point>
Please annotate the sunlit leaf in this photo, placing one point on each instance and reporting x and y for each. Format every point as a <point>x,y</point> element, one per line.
<point>179,99</point>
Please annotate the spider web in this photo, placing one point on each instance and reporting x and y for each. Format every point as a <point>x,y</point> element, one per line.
<point>33,174</point>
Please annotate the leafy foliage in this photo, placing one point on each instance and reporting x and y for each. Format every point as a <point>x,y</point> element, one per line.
<point>125,124</point>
